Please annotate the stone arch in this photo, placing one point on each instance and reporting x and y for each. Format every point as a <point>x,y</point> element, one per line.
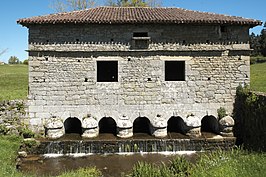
<point>210,124</point>
<point>107,125</point>
<point>176,124</point>
<point>72,125</point>
<point>141,125</point>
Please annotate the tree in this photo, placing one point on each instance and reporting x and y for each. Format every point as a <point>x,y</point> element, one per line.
<point>71,5</point>
<point>13,60</point>
<point>263,40</point>
<point>255,44</point>
<point>25,62</point>
<point>134,3</point>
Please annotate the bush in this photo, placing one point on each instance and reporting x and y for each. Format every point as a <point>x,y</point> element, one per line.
<point>25,62</point>
<point>83,172</point>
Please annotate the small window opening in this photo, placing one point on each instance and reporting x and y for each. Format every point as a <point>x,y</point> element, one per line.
<point>174,70</point>
<point>140,34</point>
<point>86,80</point>
<point>209,78</point>
<point>46,58</point>
<point>47,40</point>
<point>112,40</point>
<point>107,71</point>
<point>149,79</point>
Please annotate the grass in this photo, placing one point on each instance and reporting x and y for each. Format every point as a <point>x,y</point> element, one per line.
<point>214,164</point>
<point>258,77</point>
<point>13,82</point>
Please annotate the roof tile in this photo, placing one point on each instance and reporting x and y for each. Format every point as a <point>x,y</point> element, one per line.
<point>119,15</point>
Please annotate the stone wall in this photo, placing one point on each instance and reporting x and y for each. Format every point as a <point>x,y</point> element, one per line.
<point>63,83</point>
<point>13,116</point>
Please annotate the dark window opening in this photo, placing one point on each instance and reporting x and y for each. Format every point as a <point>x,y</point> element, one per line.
<point>141,125</point>
<point>176,124</point>
<point>140,34</point>
<point>107,71</point>
<point>174,70</point>
<point>210,124</point>
<point>73,125</point>
<point>107,125</point>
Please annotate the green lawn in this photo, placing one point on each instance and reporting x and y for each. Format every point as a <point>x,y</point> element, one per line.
<point>258,77</point>
<point>13,82</point>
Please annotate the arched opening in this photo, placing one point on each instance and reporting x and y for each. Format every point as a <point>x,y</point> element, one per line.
<point>107,125</point>
<point>210,124</point>
<point>72,125</point>
<point>141,125</point>
<point>176,125</point>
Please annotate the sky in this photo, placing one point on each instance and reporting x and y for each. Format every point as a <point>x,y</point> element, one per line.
<point>14,37</point>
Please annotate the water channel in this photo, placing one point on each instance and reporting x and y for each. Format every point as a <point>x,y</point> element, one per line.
<point>115,156</point>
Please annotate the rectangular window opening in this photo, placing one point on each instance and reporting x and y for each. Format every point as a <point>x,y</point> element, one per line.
<point>140,34</point>
<point>107,71</point>
<point>174,70</point>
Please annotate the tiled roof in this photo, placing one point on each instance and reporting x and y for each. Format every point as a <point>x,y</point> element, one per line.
<point>119,15</point>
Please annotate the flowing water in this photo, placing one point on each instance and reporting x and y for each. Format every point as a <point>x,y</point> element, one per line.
<point>115,156</point>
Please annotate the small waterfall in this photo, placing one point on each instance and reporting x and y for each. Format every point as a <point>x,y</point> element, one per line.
<point>87,147</point>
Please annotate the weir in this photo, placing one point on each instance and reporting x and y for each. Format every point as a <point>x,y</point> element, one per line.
<point>88,147</point>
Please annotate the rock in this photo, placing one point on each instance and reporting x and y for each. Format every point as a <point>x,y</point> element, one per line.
<point>226,126</point>
<point>193,121</point>
<point>124,127</point>
<point>193,124</point>
<point>22,154</point>
<point>227,121</point>
<point>89,123</point>
<point>54,123</point>
<point>124,122</point>
<point>89,127</point>
<point>54,128</point>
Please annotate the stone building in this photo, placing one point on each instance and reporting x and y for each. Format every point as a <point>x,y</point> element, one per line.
<point>126,70</point>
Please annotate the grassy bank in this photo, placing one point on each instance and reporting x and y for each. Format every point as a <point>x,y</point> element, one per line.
<point>219,164</point>
<point>13,82</point>
<point>258,77</point>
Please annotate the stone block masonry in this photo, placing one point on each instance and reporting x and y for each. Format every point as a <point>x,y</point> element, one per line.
<point>63,72</point>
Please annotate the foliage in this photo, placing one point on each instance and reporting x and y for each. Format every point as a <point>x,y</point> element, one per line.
<point>230,164</point>
<point>25,62</point>
<point>13,60</point>
<point>219,163</point>
<point>83,172</point>
<point>258,77</point>
<point>71,5</point>
<point>249,115</point>
<point>258,42</point>
<point>134,3</point>
<point>221,112</point>
<point>9,147</point>
<point>13,82</point>
<point>257,59</point>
